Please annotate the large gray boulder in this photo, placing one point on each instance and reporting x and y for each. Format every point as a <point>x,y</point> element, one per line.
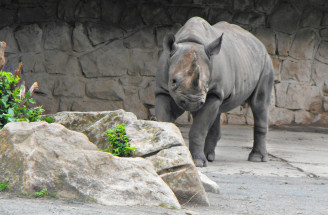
<point>34,156</point>
<point>159,142</point>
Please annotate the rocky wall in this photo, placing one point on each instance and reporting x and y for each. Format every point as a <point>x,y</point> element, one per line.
<point>102,55</point>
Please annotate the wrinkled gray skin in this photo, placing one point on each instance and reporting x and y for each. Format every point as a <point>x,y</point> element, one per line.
<point>208,70</point>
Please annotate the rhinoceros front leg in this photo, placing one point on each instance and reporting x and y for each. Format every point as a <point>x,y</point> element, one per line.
<point>202,121</point>
<point>212,138</point>
<point>166,110</point>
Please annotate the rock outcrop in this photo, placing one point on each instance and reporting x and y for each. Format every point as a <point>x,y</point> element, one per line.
<point>209,185</point>
<point>159,142</point>
<point>34,156</point>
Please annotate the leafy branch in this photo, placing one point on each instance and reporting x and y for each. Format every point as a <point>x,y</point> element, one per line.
<point>15,101</point>
<point>119,142</point>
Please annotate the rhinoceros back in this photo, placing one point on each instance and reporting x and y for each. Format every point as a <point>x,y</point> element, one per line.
<point>196,30</point>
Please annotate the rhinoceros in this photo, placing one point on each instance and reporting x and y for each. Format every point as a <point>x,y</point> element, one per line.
<point>208,70</point>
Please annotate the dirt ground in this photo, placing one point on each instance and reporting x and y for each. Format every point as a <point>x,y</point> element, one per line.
<point>294,181</point>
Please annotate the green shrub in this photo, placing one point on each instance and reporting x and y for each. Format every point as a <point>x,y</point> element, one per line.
<point>119,142</point>
<point>14,102</point>
<point>164,205</point>
<point>42,193</point>
<point>48,120</point>
<point>3,185</point>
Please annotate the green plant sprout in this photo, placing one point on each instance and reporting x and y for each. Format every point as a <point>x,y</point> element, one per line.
<point>53,195</point>
<point>42,193</point>
<point>119,142</point>
<point>48,119</point>
<point>173,207</point>
<point>3,185</point>
<point>164,205</point>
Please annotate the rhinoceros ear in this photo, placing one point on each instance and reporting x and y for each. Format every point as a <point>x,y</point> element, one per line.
<point>169,42</point>
<point>214,47</point>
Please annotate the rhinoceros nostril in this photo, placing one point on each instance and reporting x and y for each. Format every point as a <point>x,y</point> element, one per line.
<point>201,103</point>
<point>183,102</point>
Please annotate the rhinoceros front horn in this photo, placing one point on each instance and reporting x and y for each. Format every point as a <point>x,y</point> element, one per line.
<point>195,75</point>
<point>195,79</point>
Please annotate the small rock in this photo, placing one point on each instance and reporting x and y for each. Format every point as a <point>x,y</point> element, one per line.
<point>7,35</point>
<point>102,33</point>
<point>190,212</point>
<point>108,61</point>
<point>295,96</point>
<point>29,38</point>
<point>209,185</point>
<point>301,50</point>
<point>80,40</point>
<point>57,36</point>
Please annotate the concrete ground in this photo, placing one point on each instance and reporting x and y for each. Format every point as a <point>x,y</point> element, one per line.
<point>294,181</point>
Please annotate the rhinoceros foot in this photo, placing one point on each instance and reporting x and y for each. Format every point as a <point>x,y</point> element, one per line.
<point>210,156</point>
<point>257,157</point>
<point>200,161</point>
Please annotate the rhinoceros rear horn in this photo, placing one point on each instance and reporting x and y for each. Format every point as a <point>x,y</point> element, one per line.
<point>214,47</point>
<point>169,42</point>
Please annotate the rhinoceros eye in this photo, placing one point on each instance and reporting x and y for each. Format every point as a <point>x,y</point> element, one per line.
<point>174,84</point>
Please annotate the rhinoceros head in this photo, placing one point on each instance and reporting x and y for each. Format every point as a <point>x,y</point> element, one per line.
<point>189,71</point>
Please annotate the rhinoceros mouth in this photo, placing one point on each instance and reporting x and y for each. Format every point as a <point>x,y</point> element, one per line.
<point>190,103</point>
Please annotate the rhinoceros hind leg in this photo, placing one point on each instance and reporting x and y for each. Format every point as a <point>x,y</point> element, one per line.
<point>259,102</point>
<point>257,157</point>
<point>212,138</point>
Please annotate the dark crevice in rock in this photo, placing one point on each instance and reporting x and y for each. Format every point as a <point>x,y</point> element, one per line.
<point>277,44</point>
<point>155,152</point>
<point>173,169</point>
